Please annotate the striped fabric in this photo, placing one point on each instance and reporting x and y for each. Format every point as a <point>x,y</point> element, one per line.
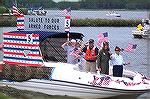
<point>15,10</point>
<point>22,49</point>
<point>20,22</point>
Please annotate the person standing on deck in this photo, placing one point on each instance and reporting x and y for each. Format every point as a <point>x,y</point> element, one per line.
<point>140,27</point>
<point>118,62</point>
<point>72,51</point>
<point>103,59</point>
<point>90,56</point>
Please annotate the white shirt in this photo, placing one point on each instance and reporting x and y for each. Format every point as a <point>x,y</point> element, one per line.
<point>146,27</point>
<point>117,59</point>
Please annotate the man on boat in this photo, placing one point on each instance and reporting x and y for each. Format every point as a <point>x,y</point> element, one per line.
<point>91,53</point>
<point>72,51</point>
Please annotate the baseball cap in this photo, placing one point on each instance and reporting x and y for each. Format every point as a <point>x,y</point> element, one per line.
<point>91,41</point>
<point>117,48</point>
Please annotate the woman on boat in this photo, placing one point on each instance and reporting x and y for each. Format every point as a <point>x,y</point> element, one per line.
<point>103,59</point>
<point>72,51</point>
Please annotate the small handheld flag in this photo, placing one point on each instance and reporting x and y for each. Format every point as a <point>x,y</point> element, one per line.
<point>102,37</point>
<point>66,11</point>
<point>130,48</point>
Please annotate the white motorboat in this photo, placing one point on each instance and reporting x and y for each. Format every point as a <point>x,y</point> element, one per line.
<point>67,79</point>
<point>141,34</point>
<point>115,14</point>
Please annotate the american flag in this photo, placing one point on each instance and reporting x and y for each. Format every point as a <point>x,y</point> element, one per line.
<point>94,82</point>
<point>67,11</point>
<point>20,18</point>
<point>20,22</point>
<point>131,47</point>
<point>15,10</point>
<point>102,37</point>
<point>22,49</point>
<point>1,45</point>
<point>106,81</point>
<point>75,52</point>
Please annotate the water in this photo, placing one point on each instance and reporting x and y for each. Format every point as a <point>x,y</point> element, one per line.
<point>75,14</point>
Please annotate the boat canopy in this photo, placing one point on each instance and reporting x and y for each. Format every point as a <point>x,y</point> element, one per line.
<point>45,34</point>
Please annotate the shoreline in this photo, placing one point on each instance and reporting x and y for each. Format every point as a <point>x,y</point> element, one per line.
<point>10,21</point>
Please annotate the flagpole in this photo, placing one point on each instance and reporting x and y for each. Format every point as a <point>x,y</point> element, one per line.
<point>68,36</point>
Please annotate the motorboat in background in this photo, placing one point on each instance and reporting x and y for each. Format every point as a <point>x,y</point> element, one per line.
<point>141,34</point>
<point>113,13</point>
<point>143,30</point>
<point>37,11</point>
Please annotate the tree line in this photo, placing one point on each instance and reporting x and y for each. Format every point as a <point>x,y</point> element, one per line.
<point>81,4</point>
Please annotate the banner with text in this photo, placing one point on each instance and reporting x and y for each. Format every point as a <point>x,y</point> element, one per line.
<point>45,23</point>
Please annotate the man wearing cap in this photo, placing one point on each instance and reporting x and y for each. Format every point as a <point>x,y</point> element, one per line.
<point>71,48</point>
<point>117,61</point>
<point>91,53</point>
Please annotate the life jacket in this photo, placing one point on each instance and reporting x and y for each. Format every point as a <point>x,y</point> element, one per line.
<point>90,53</point>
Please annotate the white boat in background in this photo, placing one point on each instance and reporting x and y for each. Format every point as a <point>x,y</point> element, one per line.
<point>141,34</point>
<point>113,13</point>
<point>39,11</point>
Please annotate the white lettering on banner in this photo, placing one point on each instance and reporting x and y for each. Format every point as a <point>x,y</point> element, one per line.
<point>45,23</point>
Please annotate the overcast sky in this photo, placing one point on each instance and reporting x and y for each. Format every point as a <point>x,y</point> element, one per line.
<point>64,0</point>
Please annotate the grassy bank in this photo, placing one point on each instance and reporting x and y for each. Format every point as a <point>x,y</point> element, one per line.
<point>7,21</point>
<point>104,22</point>
<point>2,96</point>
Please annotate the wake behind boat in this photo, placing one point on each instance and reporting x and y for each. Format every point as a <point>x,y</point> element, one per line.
<point>33,60</point>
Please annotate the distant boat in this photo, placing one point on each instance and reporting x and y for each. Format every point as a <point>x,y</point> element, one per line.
<point>113,13</point>
<point>141,34</point>
<point>39,11</point>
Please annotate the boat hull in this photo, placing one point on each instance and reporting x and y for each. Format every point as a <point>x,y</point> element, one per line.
<point>56,87</point>
<point>141,34</point>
